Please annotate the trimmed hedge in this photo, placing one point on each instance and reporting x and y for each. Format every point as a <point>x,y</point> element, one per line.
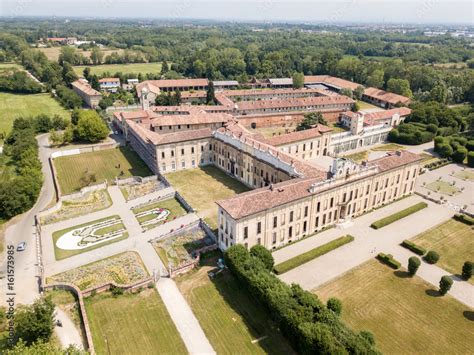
<point>464,219</point>
<point>432,257</point>
<point>399,215</point>
<point>413,247</point>
<point>312,254</point>
<point>389,260</point>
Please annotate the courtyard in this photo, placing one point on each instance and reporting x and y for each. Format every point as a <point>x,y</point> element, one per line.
<point>203,186</point>
<point>406,315</point>
<point>77,171</point>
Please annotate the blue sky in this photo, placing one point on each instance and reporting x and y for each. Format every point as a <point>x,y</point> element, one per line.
<point>335,11</point>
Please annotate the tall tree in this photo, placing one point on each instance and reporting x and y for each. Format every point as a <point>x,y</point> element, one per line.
<point>298,80</point>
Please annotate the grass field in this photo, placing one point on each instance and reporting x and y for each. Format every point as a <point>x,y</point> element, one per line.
<point>16,105</point>
<point>53,52</point>
<point>388,147</point>
<point>366,106</point>
<point>105,165</point>
<point>442,187</point>
<point>132,324</point>
<point>454,242</point>
<point>230,318</point>
<point>134,68</point>
<point>404,314</point>
<point>201,187</point>
<point>358,157</point>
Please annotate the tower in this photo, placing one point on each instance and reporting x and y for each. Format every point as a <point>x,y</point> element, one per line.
<point>144,99</point>
<point>357,123</point>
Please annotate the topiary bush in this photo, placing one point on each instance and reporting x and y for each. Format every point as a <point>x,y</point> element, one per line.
<point>470,159</point>
<point>459,155</point>
<point>467,270</point>
<point>335,305</point>
<point>413,265</point>
<point>432,257</point>
<point>389,260</point>
<point>464,219</point>
<point>413,247</point>
<point>444,150</point>
<point>445,284</point>
<point>470,145</point>
<point>262,253</point>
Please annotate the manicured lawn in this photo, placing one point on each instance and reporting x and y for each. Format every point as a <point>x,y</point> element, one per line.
<point>404,314</point>
<point>442,187</point>
<point>132,324</point>
<point>465,175</point>
<point>173,205</point>
<point>454,242</point>
<point>358,157</point>
<point>312,254</point>
<point>134,68</point>
<point>365,106</point>
<point>230,318</point>
<point>16,105</point>
<point>66,253</point>
<point>338,128</point>
<point>399,215</point>
<point>105,165</point>
<point>201,187</point>
<point>388,147</point>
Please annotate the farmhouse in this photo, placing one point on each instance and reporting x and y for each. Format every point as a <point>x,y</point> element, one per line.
<point>90,96</point>
<point>109,84</point>
<point>383,98</point>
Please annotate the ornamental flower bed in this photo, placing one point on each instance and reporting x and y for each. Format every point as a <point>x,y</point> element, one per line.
<point>133,191</point>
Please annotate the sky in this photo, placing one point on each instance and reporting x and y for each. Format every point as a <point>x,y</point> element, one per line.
<point>314,11</point>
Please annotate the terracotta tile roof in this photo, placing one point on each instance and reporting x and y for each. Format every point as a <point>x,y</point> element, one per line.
<point>85,88</point>
<point>271,92</point>
<point>297,136</point>
<point>386,96</point>
<point>106,80</point>
<point>374,117</point>
<point>396,159</point>
<point>191,119</point>
<point>293,102</point>
<point>331,81</point>
<point>177,83</point>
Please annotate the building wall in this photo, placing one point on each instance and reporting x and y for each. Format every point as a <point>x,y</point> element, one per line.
<point>288,223</point>
<point>91,101</point>
<point>183,155</point>
<point>277,119</point>
<point>308,149</point>
<point>186,127</point>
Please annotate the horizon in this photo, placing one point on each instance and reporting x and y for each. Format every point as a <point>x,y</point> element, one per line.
<point>316,12</point>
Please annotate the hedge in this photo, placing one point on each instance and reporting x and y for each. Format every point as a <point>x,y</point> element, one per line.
<point>399,215</point>
<point>389,260</point>
<point>464,219</point>
<point>311,254</point>
<point>413,247</point>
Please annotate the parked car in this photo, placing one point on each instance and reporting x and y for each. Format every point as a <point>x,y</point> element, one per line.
<point>21,246</point>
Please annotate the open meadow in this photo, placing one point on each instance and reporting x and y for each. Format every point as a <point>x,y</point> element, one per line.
<point>132,68</point>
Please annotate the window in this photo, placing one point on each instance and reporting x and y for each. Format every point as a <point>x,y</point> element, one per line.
<point>317,222</point>
<point>183,164</point>
<point>163,155</point>
<point>414,172</point>
<point>173,166</point>
<point>304,226</point>
<point>182,151</point>
<point>306,211</point>
<point>259,227</point>
<point>192,150</point>
<point>246,232</point>
<point>193,163</point>
<point>291,216</point>
<point>274,237</point>
<point>179,126</point>
<point>172,153</point>
<point>259,241</point>
<point>202,148</point>
<point>290,232</point>
<point>367,191</point>
<point>275,221</point>
<point>163,167</point>
<point>318,206</point>
<point>331,204</point>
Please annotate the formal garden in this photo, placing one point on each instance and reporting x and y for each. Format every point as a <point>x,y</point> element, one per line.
<point>132,191</point>
<point>122,269</point>
<point>443,187</point>
<point>92,201</point>
<point>153,214</point>
<point>88,236</point>
<point>181,248</point>
<point>392,306</point>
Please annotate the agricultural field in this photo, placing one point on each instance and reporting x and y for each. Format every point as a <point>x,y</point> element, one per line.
<point>405,314</point>
<point>210,184</point>
<point>123,269</point>
<point>153,214</point>
<point>132,68</point>
<point>453,241</point>
<point>17,105</point>
<point>230,318</point>
<point>53,52</point>
<point>77,171</point>
<point>88,236</point>
<point>442,187</point>
<point>132,324</point>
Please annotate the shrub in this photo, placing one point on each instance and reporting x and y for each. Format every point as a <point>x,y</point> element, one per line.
<point>116,291</point>
<point>413,247</point>
<point>459,155</point>
<point>368,336</point>
<point>262,253</point>
<point>389,260</point>
<point>335,305</point>
<point>444,150</point>
<point>467,270</point>
<point>470,145</point>
<point>399,215</point>
<point>470,159</point>
<point>312,254</point>
<point>432,257</point>
<point>464,219</point>
<point>445,284</point>
<point>413,265</point>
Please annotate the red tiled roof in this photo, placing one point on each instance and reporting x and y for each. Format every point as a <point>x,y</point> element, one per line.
<point>106,80</point>
<point>331,80</point>
<point>386,96</point>
<point>191,119</point>
<point>85,88</point>
<point>297,136</point>
<point>293,102</point>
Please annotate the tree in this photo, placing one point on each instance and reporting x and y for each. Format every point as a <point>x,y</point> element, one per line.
<point>335,305</point>
<point>459,155</point>
<point>96,55</point>
<point>55,137</point>
<point>164,68</point>
<point>298,80</point>
<point>358,92</point>
<point>431,257</point>
<point>42,123</point>
<point>310,120</point>
<point>470,159</point>
<point>439,93</point>
<point>413,265</point>
<point>376,79</point>
<point>445,150</point>
<point>41,347</point>
<point>35,322</point>
<point>467,269</point>
<point>91,127</point>
<point>86,73</point>
<point>210,94</point>
<point>262,253</point>
<point>445,284</point>
<point>177,97</point>
<point>399,86</point>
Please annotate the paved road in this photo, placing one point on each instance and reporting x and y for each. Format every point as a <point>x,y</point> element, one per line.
<point>67,333</point>
<point>368,242</point>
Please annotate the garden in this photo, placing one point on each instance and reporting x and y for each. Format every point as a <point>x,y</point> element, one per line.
<point>443,187</point>
<point>132,191</point>
<point>90,202</point>
<point>151,215</point>
<point>122,269</point>
<point>88,236</point>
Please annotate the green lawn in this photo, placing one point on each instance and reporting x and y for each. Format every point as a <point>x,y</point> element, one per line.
<point>173,205</point>
<point>405,314</point>
<point>132,324</point>
<point>365,105</point>
<point>16,105</point>
<point>358,157</point>
<point>388,147</point>
<point>442,187</point>
<point>65,253</point>
<point>134,68</point>
<point>230,318</point>
<point>201,187</point>
<point>454,242</point>
<point>105,165</point>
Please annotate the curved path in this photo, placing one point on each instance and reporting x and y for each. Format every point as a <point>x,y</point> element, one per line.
<point>67,333</point>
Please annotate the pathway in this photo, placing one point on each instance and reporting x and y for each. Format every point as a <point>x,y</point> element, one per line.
<point>367,244</point>
<point>67,333</point>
